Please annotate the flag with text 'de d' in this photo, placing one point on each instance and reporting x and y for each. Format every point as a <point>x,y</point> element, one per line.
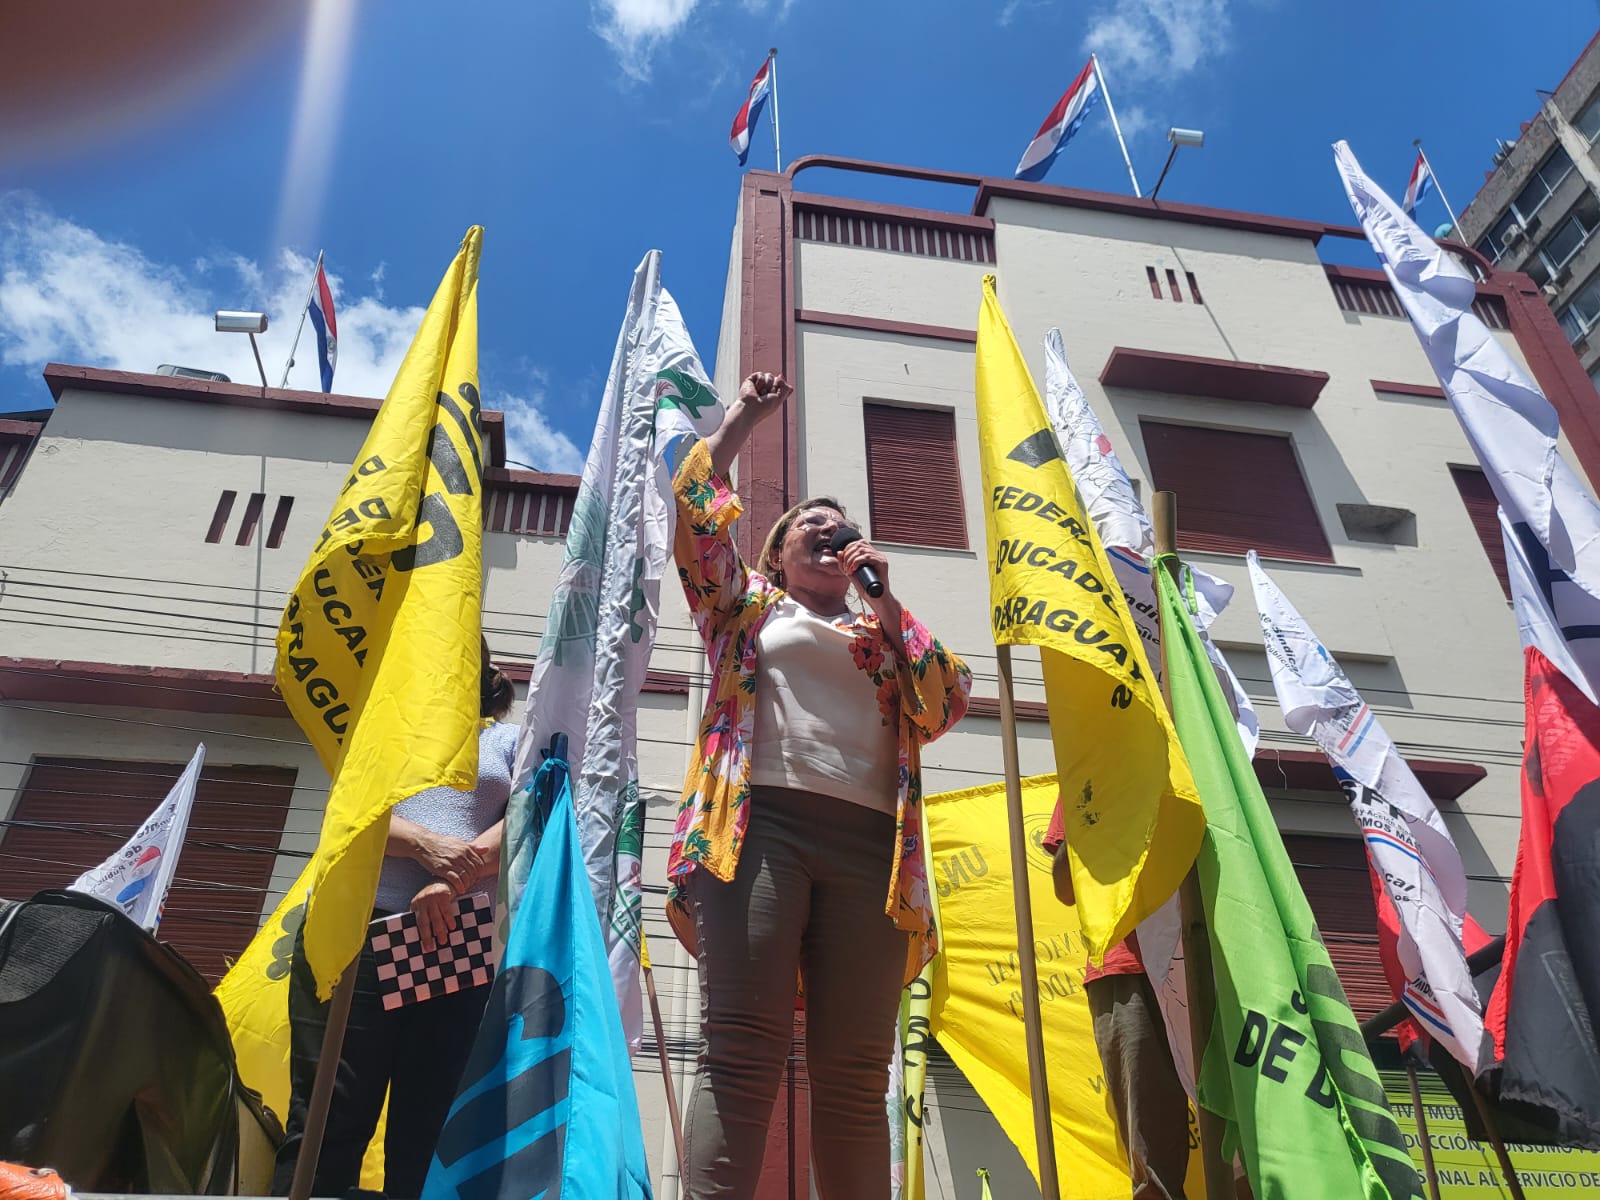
<point>378,647</point>
<point>1132,819</point>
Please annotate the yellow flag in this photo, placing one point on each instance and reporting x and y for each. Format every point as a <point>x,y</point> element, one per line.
<point>983,1178</point>
<point>1133,818</point>
<point>378,646</point>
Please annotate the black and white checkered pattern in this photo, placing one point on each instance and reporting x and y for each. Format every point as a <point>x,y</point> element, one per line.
<point>407,974</point>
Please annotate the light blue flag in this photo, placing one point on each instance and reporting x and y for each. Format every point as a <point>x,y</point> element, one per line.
<point>546,1106</point>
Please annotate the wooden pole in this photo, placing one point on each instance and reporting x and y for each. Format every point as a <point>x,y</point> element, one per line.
<point>1027,965</point>
<point>1198,979</point>
<point>666,1075</point>
<point>1506,1169</point>
<point>305,1166</point>
<point>1429,1172</point>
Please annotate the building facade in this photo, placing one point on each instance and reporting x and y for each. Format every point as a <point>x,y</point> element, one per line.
<point>151,527</point>
<point>1539,208</point>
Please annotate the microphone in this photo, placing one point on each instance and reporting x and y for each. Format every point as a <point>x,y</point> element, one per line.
<point>865,576</point>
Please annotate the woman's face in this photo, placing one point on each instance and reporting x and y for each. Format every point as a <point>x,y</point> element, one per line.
<point>807,562</point>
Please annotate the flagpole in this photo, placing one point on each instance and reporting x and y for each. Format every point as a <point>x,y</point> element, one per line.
<point>1429,1171</point>
<point>1506,1167</point>
<point>1027,964</point>
<point>1116,128</point>
<point>298,329</point>
<point>1199,980</point>
<point>1439,187</point>
<point>772,72</point>
<point>305,1165</point>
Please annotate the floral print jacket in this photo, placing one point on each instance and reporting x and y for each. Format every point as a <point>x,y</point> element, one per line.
<point>925,692</point>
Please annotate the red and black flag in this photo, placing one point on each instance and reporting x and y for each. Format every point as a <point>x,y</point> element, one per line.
<point>1543,1012</point>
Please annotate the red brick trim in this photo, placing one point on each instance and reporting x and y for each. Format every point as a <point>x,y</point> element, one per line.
<point>526,481</point>
<point>1308,770</point>
<point>61,377</point>
<point>1407,389</point>
<point>1214,378</point>
<point>25,429</point>
<point>944,333</point>
<point>961,222</point>
<point>989,706</point>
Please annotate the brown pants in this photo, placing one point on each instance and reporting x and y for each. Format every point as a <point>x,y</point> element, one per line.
<point>1152,1107</point>
<point>808,897</point>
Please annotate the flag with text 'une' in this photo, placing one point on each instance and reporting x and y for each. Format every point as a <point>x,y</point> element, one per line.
<point>378,647</point>
<point>1132,819</point>
<point>136,878</point>
<point>1409,851</point>
<point>1545,1007</point>
<point>546,1106</point>
<point>1285,1065</point>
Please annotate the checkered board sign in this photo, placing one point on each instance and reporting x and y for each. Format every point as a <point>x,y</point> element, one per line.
<point>408,974</point>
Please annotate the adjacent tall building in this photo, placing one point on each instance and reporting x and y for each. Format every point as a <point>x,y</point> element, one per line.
<point>150,527</point>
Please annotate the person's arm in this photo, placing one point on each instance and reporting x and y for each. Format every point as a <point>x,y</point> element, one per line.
<point>487,844</point>
<point>760,395</point>
<point>448,859</point>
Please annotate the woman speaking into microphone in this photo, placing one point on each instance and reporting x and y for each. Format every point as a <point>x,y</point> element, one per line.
<point>798,848</point>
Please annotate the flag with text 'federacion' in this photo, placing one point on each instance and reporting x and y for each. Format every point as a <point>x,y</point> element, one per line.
<point>1413,859</point>
<point>1285,1065</point>
<point>378,647</point>
<point>546,1106</point>
<point>1133,821</point>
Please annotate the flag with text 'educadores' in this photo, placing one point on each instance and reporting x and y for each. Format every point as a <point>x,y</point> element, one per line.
<point>1285,1065</point>
<point>1133,821</point>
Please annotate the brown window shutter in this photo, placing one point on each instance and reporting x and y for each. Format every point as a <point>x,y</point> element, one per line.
<point>1333,873</point>
<point>73,814</point>
<point>1236,491</point>
<point>1483,510</point>
<point>914,476</point>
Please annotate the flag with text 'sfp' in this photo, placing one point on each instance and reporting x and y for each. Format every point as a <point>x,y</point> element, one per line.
<point>1546,1003</point>
<point>1133,821</point>
<point>744,121</point>
<point>1285,1065</point>
<point>136,878</point>
<point>1413,860</point>
<point>546,1106</point>
<point>378,646</point>
<point>1060,124</point>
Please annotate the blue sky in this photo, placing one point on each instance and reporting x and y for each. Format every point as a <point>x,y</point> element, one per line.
<point>583,133</point>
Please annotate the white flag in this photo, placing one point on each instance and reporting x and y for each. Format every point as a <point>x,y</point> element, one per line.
<point>136,878</point>
<point>1408,847</point>
<point>1510,425</point>
<point>595,654</point>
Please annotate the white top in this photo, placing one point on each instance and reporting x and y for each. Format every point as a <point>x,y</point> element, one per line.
<point>818,725</point>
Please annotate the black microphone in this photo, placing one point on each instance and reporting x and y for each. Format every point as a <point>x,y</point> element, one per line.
<point>865,576</point>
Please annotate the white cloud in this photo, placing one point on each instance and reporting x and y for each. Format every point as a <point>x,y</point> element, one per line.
<point>1159,39</point>
<point>69,295</point>
<point>1135,120</point>
<point>635,28</point>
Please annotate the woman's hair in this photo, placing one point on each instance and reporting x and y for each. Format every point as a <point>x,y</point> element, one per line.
<point>779,531</point>
<point>495,693</point>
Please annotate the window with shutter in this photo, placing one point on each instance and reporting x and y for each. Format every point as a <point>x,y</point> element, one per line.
<point>1334,875</point>
<point>914,476</point>
<point>1236,491</point>
<point>73,814</point>
<point>1483,510</point>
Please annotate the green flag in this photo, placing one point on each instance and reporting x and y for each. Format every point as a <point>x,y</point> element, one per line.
<point>1285,1065</point>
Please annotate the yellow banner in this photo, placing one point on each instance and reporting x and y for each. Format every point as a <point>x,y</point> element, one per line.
<point>1133,817</point>
<point>378,645</point>
<point>977,995</point>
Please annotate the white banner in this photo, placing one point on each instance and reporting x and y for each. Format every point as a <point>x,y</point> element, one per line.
<point>137,877</point>
<point>1408,847</point>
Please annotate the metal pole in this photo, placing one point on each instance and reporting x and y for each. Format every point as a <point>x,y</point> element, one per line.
<point>1430,1173</point>
<point>1199,981</point>
<point>310,291</point>
<point>1028,967</point>
<point>666,1072</point>
<point>305,1167</point>
<point>772,69</point>
<point>1506,1169</point>
<point>1115,127</point>
<point>1439,187</point>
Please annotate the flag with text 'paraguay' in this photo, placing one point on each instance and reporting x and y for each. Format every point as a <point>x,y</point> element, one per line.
<point>1417,185</point>
<point>1512,429</point>
<point>136,878</point>
<point>1061,123</point>
<point>1133,821</point>
<point>1285,1066</point>
<point>744,121</point>
<point>322,320</point>
<point>595,653</point>
<point>378,646</point>
<point>1410,853</point>
<point>546,1107</point>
